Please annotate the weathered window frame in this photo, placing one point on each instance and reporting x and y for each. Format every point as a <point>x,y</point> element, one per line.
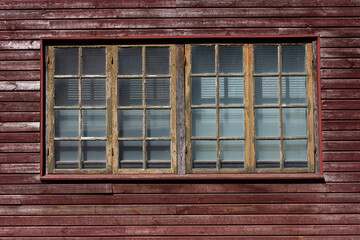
<point>178,122</point>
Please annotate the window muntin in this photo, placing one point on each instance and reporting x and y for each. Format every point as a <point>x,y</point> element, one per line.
<point>228,103</point>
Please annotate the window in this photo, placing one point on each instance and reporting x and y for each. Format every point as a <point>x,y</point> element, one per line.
<point>180,108</point>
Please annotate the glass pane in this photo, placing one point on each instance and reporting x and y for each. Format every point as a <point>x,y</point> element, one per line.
<point>66,154</point>
<point>293,90</point>
<point>203,90</point>
<point>230,59</point>
<point>203,153</point>
<point>266,59</point>
<point>294,122</point>
<point>158,123</point>
<point>295,153</point>
<point>66,92</point>
<point>266,90</point>
<point>67,123</point>
<point>93,154</point>
<point>267,122</point>
<point>157,60</point>
<point>130,61</point>
<point>130,92</point>
<point>267,153</point>
<point>130,123</point>
<point>93,92</point>
<point>232,153</point>
<point>93,123</point>
<point>130,154</point>
<point>231,122</point>
<point>203,122</point>
<point>293,58</point>
<point>231,90</point>
<point>94,61</point>
<point>157,91</point>
<point>158,154</point>
<point>203,59</point>
<point>66,61</point>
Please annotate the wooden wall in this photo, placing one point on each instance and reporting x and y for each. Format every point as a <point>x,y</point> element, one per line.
<point>162,210</point>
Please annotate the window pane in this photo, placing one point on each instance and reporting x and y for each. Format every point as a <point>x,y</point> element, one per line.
<point>293,58</point>
<point>232,153</point>
<point>267,153</point>
<point>203,59</point>
<point>67,123</point>
<point>158,154</point>
<point>66,61</point>
<point>158,123</point>
<point>130,154</point>
<point>230,59</point>
<point>157,60</point>
<point>203,153</point>
<point>293,90</point>
<point>130,92</point>
<point>93,154</point>
<point>130,123</point>
<point>158,92</point>
<point>266,59</point>
<point>231,122</point>
<point>93,92</point>
<point>203,122</point>
<point>130,61</point>
<point>66,154</point>
<point>294,121</point>
<point>93,123</point>
<point>266,90</point>
<point>203,90</point>
<point>231,90</point>
<point>267,122</point>
<point>295,153</point>
<point>94,61</point>
<point>66,92</point>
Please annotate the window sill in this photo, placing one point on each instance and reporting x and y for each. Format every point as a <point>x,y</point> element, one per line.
<point>274,176</point>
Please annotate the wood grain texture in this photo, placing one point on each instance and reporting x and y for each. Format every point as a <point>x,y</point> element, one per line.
<point>320,209</point>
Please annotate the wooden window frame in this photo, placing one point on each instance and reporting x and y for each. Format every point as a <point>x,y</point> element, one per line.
<point>178,120</point>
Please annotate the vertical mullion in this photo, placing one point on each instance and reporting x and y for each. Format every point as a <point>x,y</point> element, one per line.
<point>144,106</point>
<point>111,110</point>
<point>249,108</point>
<point>217,107</point>
<point>50,111</point>
<point>188,120</point>
<point>80,106</point>
<point>280,107</point>
<point>310,106</point>
<point>179,103</point>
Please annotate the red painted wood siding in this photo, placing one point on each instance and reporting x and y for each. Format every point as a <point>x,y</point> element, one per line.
<point>193,210</point>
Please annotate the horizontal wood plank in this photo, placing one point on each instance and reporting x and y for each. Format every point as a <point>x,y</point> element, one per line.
<point>19,85</point>
<point>19,178</point>
<point>20,137</point>
<point>267,198</point>
<point>340,52</point>
<point>19,147</point>
<point>341,135</point>
<point>340,63</point>
<point>234,230</point>
<point>20,168</point>
<point>175,220</point>
<point>342,177</point>
<point>19,158</point>
<point>340,83</point>
<point>19,106</point>
<point>19,55</point>
<point>142,13</point>
<point>341,145</point>
<point>19,127</point>
<point>20,96</point>
<point>56,189</point>
<point>20,117</point>
<point>340,115</point>
<point>342,167</point>
<point>19,65</point>
<point>348,94</point>
<point>340,73</point>
<point>189,209</point>
<point>341,156</point>
<point>10,200</point>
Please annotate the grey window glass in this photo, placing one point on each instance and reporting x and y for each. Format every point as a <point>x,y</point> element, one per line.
<point>66,154</point>
<point>293,58</point>
<point>203,153</point>
<point>94,61</point>
<point>93,154</point>
<point>93,92</point>
<point>157,60</point>
<point>130,92</point>
<point>67,123</point>
<point>203,59</point>
<point>66,92</point>
<point>231,90</point>
<point>266,59</point>
<point>203,90</point>
<point>130,61</point>
<point>130,154</point>
<point>66,61</point>
<point>230,59</point>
